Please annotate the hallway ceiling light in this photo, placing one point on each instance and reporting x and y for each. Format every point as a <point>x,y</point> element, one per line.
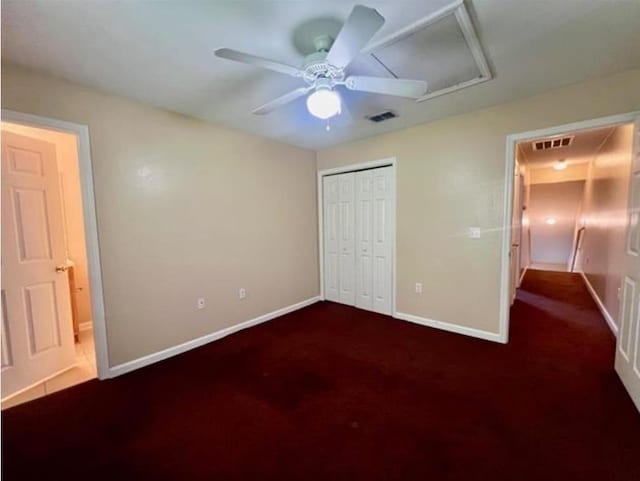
<point>550,220</point>
<point>560,164</point>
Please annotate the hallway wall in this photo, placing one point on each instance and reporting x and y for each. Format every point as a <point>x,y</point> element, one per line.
<point>560,201</point>
<point>605,217</point>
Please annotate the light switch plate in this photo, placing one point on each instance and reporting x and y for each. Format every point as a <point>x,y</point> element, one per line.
<point>474,233</point>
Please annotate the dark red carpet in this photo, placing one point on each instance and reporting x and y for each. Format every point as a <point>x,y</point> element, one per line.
<point>334,393</point>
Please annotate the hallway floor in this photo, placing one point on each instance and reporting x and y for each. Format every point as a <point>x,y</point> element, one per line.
<point>333,392</point>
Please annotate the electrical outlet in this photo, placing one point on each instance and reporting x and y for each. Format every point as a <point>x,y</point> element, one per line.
<point>201,303</point>
<point>242,293</point>
<point>418,288</point>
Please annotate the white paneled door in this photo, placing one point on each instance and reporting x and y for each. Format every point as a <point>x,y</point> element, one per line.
<point>37,333</point>
<point>331,221</point>
<point>364,239</point>
<point>358,212</point>
<point>628,343</point>
<point>346,239</point>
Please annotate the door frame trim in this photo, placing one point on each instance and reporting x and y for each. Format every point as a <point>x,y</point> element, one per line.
<point>85,165</point>
<point>511,141</point>
<point>390,161</point>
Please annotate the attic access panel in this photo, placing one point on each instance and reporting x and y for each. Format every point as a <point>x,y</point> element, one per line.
<point>442,49</point>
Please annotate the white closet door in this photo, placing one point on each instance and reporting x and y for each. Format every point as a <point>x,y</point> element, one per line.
<point>383,220</point>
<point>358,238</point>
<point>346,244</point>
<point>364,244</point>
<point>330,209</point>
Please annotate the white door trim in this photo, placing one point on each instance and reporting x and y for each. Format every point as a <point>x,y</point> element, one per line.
<point>511,142</point>
<point>90,224</point>
<point>391,161</point>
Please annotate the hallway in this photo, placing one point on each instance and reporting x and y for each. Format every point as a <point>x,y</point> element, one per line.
<point>555,319</point>
<point>333,392</point>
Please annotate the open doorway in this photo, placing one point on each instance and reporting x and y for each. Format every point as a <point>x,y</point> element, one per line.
<point>573,207</point>
<point>556,171</point>
<point>570,208</point>
<point>47,325</point>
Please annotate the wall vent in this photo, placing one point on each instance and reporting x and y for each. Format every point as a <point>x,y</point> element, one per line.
<point>553,143</point>
<point>381,117</point>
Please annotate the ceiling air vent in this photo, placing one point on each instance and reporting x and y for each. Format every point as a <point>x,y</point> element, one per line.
<point>381,117</point>
<point>554,143</point>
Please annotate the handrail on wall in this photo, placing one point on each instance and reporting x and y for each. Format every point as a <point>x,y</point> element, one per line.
<point>579,236</point>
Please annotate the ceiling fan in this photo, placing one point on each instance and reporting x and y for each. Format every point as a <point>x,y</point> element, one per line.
<point>324,70</point>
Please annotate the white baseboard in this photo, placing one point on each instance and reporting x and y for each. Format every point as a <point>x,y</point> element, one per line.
<point>445,326</point>
<point>603,309</point>
<point>200,341</point>
<point>85,326</point>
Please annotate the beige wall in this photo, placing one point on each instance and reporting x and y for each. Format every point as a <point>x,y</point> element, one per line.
<point>451,175</point>
<point>67,159</point>
<point>605,217</point>
<point>553,243</point>
<point>185,209</point>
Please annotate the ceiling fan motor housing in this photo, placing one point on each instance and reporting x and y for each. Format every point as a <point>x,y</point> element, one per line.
<point>316,67</point>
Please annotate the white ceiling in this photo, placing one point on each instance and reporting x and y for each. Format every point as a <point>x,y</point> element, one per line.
<point>160,52</point>
<point>584,147</point>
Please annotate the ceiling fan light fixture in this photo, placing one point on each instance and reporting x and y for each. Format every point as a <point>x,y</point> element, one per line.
<point>324,103</point>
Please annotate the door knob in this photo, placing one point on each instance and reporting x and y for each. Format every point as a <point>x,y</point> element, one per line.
<point>62,268</point>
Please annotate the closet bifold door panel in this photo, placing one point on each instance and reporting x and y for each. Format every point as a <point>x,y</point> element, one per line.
<point>330,201</point>
<point>346,242</point>
<point>374,198</point>
<point>364,244</point>
<point>339,238</point>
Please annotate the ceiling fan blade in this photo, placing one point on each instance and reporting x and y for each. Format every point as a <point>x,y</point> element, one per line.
<point>360,27</point>
<point>238,56</point>
<point>387,86</point>
<point>280,101</point>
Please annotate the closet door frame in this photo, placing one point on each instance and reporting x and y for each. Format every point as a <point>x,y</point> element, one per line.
<point>388,162</point>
